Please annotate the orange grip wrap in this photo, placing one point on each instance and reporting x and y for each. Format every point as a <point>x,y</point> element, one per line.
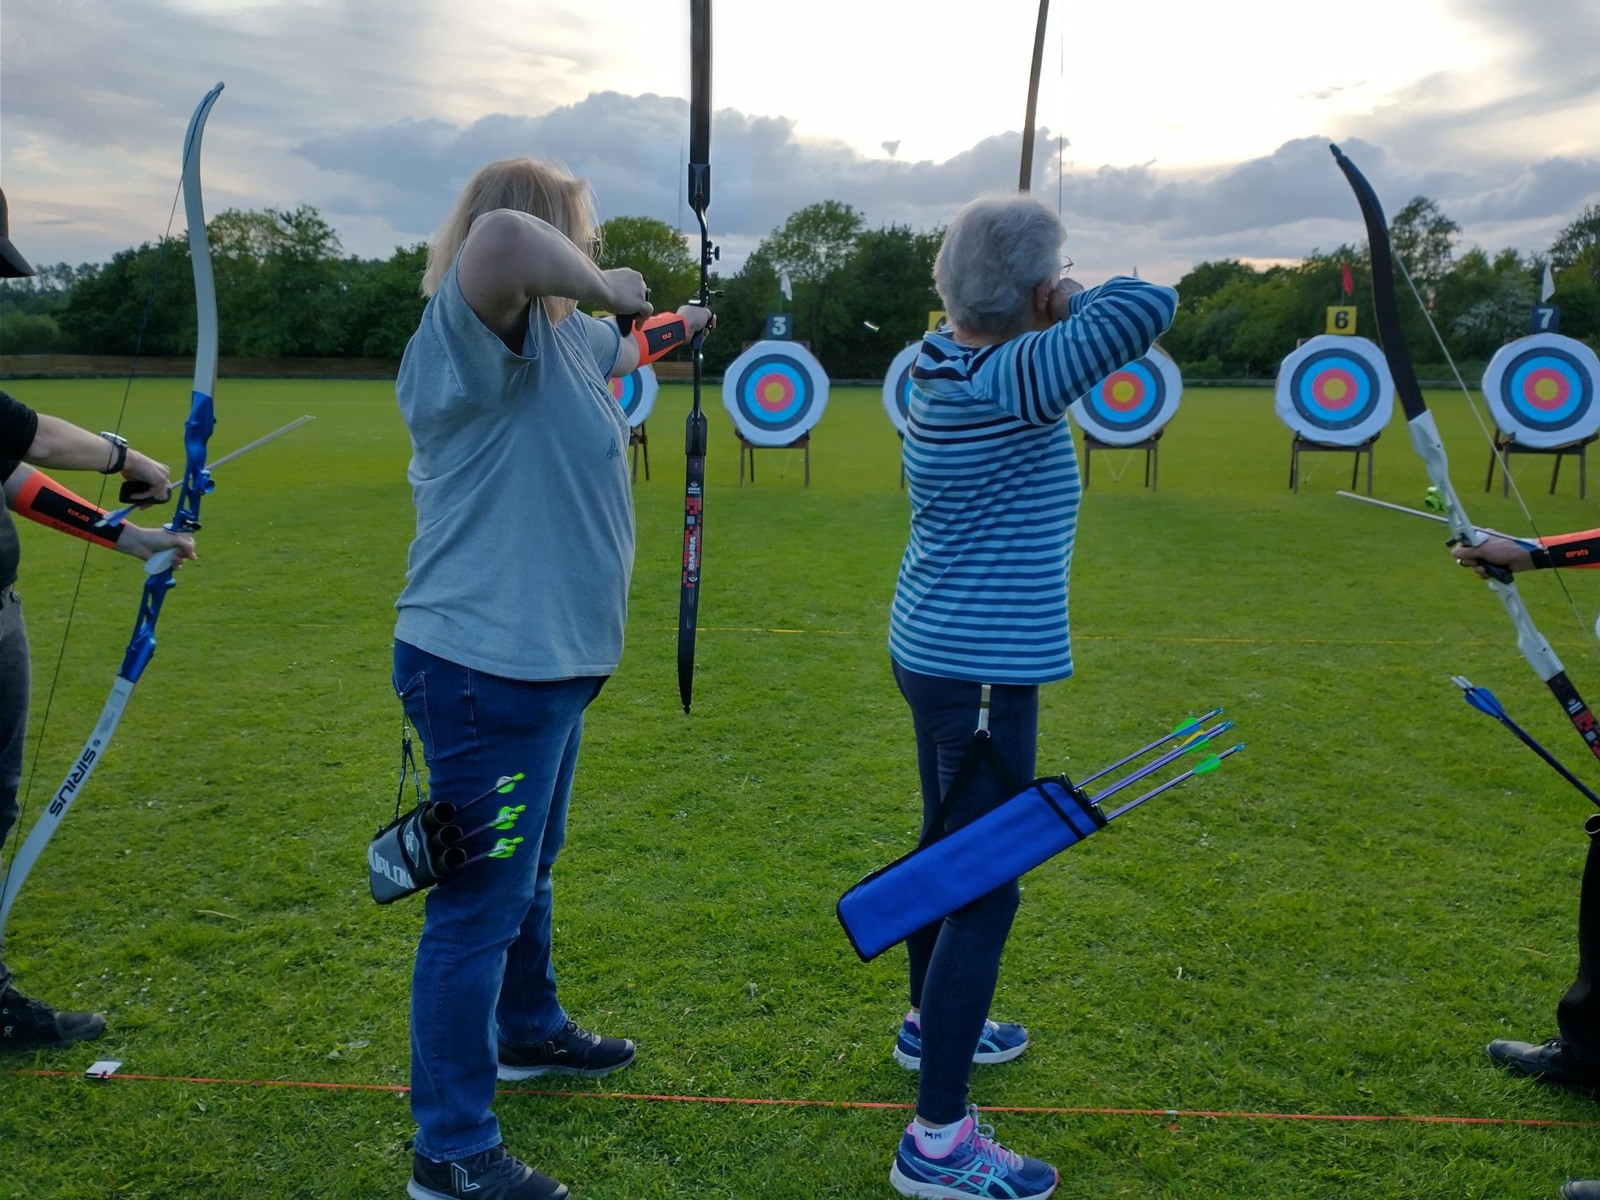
<point>44,500</point>
<point>660,335</point>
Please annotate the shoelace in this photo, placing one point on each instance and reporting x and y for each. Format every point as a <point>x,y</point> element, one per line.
<point>986,1148</point>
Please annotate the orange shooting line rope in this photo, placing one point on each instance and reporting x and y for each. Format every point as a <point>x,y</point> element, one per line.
<point>767,1102</point>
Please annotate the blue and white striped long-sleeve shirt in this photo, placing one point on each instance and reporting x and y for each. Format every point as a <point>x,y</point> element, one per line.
<point>993,481</point>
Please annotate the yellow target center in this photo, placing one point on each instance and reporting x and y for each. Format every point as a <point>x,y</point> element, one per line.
<point>1334,389</point>
<point>1547,389</point>
<point>1122,391</point>
<point>772,392</point>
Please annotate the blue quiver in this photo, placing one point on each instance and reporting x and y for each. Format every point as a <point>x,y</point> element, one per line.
<point>889,905</point>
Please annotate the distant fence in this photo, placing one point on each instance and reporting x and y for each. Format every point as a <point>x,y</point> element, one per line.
<point>80,366</point>
<point>88,366</point>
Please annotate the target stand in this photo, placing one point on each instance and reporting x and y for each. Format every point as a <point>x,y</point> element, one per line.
<point>639,440</point>
<point>1506,444</point>
<point>803,442</point>
<point>1544,394</point>
<point>1303,444</point>
<point>1152,452</point>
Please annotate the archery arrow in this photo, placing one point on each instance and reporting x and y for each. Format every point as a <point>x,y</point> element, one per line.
<point>1427,443</point>
<point>186,518</point>
<point>694,432</point>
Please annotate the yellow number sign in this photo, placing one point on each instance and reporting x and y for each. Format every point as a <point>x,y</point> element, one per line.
<point>1342,318</point>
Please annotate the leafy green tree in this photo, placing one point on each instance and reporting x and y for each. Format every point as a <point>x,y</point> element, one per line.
<point>1578,243</point>
<point>1424,240</point>
<point>655,250</point>
<point>383,303</point>
<point>144,288</point>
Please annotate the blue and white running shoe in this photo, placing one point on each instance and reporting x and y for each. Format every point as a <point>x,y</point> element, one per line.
<point>976,1166</point>
<point>1001,1042</point>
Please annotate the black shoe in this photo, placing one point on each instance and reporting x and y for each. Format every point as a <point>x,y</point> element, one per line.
<point>492,1175</point>
<point>572,1051</point>
<point>26,1023</point>
<point>1581,1189</point>
<point>1549,1062</point>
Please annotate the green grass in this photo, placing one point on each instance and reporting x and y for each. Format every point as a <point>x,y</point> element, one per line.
<point>1334,923</point>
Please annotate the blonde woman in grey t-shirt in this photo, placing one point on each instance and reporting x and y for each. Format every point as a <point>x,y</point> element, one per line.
<point>510,622</point>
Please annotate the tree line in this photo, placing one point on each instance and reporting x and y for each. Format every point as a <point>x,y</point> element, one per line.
<point>856,295</point>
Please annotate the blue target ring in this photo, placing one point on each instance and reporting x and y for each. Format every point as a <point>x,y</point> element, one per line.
<point>635,394</point>
<point>774,393</point>
<point>1128,399</point>
<point>897,386</point>
<point>1334,390</point>
<point>1546,389</point>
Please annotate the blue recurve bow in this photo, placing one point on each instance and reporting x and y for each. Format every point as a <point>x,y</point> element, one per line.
<point>158,570</point>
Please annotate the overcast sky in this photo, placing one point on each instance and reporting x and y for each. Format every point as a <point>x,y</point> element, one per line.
<point>1185,131</point>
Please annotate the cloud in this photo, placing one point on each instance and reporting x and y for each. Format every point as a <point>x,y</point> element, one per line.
<point>367,120</point>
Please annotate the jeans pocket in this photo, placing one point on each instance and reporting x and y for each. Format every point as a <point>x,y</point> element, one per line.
<point>413,694</point>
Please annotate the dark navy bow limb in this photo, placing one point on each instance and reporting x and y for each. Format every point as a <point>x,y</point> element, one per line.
<point>1025,180</point>
<point>1485,702</point>
<point>1425,438</point>
<point>158,570</point>
<point>694,432</point>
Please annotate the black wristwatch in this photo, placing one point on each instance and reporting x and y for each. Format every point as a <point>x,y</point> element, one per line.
<point>120,445</point>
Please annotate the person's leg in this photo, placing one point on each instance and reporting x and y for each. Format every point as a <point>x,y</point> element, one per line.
<point>1578,1013</point>
<point>962,963</point>
<point>14,683</point>
<point>536,1037</point>
<point>474,729</point>
<point>1572,1058</point>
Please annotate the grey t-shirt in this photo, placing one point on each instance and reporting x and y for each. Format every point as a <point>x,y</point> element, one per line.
<point>524,544</point>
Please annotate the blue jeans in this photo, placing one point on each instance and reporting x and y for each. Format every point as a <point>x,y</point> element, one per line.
<point>955,962</point>
<point>483,969</point>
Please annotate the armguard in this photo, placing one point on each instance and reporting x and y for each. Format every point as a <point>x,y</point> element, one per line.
<point>1569,550</point>
<point>660,335</point>
<point>44,500</point>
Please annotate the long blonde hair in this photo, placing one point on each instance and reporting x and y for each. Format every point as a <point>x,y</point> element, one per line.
<point>542,188</point>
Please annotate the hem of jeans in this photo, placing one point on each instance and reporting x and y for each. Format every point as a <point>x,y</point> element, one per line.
<point>453,1155</point>
<point>540,1041</point>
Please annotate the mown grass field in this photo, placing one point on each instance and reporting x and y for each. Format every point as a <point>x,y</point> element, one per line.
<point>1332,925</point>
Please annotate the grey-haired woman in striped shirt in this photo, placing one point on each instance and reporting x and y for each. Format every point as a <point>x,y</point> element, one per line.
<point>982,599</point>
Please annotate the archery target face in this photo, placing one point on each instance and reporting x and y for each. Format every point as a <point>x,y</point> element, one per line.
<point>1542,390</point>
<point>897,386</point>
<point>636,393</point>
<point>1133,402</point>
<point>774,391</point>
<point>1335,389</point>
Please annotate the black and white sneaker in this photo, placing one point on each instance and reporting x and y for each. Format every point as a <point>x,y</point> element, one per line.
<point>492,1175</point>
<point>27,1024</point>
<point>572,1051</point>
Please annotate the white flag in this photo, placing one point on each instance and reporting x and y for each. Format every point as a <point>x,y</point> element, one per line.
<point>783,286</point>
<point>1549,288</point>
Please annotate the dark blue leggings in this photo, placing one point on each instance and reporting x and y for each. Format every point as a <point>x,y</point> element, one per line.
<point>955,962</point>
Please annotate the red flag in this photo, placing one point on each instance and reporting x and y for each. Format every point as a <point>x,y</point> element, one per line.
<point>1349,283</point>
